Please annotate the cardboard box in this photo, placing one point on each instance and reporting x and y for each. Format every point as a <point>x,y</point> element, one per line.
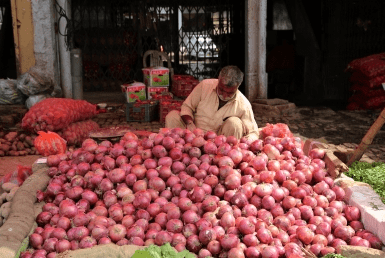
<point>156,76</point>
<point>134,91</point>
<point>155,91</point>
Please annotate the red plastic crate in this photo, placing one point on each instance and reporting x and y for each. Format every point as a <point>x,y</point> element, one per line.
<point>182,85</point>
<point>166,106</point>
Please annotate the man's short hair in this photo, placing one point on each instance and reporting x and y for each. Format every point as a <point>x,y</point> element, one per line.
<point>231,76</point>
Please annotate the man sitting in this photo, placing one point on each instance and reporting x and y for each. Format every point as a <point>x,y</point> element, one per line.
<point>217,105</point>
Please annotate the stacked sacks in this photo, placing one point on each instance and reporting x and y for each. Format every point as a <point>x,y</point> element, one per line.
<point>71,119</point>
<point>368,76</point>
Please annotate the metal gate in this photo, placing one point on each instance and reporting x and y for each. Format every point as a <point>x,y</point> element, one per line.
<point>351,30</point>
<point>114,35</point>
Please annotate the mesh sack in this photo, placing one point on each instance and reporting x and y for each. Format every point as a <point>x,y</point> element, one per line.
<point>358,77</point>
<point>77,132</point>
<point>54,114</point>
<point>373,68</point>
<point>374,93</point>
<point>18,176</point>
<point>49,143</point>
<point>364,92</point>
<point>357,63</point>
<point>358,97</point>
<point>370,66</point>
<point>354,106</point>
<point>357,87</point>
<point>375,102</point>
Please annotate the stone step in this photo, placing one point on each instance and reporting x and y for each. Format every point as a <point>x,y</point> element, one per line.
<point>273,108</point>
<point>271,102</point>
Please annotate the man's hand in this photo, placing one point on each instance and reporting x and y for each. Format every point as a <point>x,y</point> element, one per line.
<point>188,120</point>
<point>191,126</point>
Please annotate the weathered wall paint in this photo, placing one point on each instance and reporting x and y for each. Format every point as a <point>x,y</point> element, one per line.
<point>23,32</point>
<point>34,37</point>
<point>45,47</point>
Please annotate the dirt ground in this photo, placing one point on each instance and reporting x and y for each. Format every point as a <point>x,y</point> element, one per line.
<point>337,127</point>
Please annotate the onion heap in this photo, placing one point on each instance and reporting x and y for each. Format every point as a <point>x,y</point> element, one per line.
<point>213,195</point>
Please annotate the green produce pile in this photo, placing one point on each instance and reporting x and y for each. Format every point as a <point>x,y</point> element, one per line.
<point>164,251</point>
<point>370,173</point>
<point>333,256</point>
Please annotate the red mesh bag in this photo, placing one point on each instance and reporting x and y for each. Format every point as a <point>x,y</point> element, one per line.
<point>357,87</point>
<point>370,66</point>
<point>77,132</point>
<point>18,176</point>
<point>54,114</point>
<point>359,78</point>
<point>373,68</point>
<point>49,143</point>
<point>354,106</point>
<point>361,91</point>
<point>375,102</point>
<point>277,130</point>
<point>358,97</point>
<point>357,63</point>
<point>374,93</point>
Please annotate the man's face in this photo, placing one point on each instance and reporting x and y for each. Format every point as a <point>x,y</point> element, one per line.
<point>225,93</point>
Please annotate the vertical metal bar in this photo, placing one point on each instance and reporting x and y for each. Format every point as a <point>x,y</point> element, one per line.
<point>105,15</point>
<point>77,73</point>
<point>174,19</point>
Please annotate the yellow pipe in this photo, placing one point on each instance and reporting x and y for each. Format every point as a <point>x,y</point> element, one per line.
<point>23,33</point>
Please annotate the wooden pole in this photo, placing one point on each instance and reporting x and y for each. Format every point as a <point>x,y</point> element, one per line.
<point>368,138</point>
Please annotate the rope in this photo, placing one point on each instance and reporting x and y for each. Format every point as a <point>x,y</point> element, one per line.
<point>67,30</point>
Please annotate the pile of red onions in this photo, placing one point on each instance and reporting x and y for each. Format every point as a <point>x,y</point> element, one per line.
<point>214,195</point>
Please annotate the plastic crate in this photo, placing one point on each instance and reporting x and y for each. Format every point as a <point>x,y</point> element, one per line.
<point>182,85</point>
<point>165,106</point>
<point>142,111</point>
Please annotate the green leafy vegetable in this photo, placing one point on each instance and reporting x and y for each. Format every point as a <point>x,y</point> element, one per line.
<point>164,251</point>
<point>334,256</point>
<point>185,254</point>
<point>370,173</point>
<point>141,254</point>
<point>155,251</point>
<point>168,251</point>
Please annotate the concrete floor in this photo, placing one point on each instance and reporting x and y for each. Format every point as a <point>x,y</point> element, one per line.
<point>104,97</point>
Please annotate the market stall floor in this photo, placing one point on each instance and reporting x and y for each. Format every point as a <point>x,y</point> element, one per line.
<point>336,127</point>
